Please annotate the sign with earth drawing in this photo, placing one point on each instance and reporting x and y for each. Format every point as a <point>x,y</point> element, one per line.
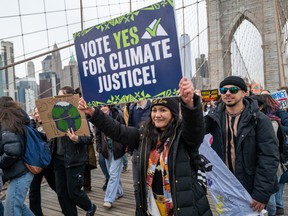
<point>58,114</point>
<point>130,58</point>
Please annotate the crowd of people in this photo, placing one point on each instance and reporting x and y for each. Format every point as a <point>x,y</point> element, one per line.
<point>163,136</point>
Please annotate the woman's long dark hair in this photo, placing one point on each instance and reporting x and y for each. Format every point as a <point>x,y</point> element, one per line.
<point>268,106</point>
<point>11,116</point>
<point>157,136</point>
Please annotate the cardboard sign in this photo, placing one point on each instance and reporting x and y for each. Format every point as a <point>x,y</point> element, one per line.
<point>256,88</point>
<point>130,58</point>
<point>281,97</point>
<point>209,95</point>
<point>58,114</point>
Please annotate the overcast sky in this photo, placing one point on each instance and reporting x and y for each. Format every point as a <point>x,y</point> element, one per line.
<point>41,30</point>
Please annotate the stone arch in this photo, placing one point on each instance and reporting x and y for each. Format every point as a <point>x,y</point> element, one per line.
<point>247,73</point>
<point>223,18</point>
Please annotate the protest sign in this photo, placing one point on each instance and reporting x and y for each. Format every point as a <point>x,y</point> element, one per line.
<point>281,97</point>
<point>228,194</point>
<point>256,88</point>
<point>209,95</point>
<point>130,58</point>
<point>58,114</point>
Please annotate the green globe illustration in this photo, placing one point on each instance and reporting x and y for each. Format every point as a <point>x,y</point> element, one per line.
<point>66,116</point>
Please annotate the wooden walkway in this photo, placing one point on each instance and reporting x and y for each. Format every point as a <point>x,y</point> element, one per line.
<point>122,207</point>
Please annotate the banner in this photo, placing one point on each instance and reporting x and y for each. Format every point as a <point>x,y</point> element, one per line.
<point>256,88</point>
<point>228,194</point>
<point>130,58</point>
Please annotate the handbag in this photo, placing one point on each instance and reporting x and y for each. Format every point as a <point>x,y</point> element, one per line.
<point>37,152</point>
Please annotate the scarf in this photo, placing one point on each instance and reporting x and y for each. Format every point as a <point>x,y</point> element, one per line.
<point>160,158</point>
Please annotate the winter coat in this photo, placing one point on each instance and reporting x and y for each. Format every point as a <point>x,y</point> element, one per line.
<point>101,139</point>
<point>284,118</point>
<point>257,156</point>
<point>12,150</point>
<point>188,196</point>
<point>75,153</point>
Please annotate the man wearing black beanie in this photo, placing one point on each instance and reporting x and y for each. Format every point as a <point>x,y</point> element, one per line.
<point>244,139</point>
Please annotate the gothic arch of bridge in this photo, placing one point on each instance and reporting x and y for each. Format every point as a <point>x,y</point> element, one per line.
<point>225,16</point>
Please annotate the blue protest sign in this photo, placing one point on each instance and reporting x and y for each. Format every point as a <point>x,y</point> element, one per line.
<point>281,97</point>
<point>130,58</point>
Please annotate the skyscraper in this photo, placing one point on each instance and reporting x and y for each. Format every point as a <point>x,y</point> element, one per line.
<point>1,76</point>
<point>8,83</point>
<point>70,75</point>
<point>27,93</point>
<point>31,69</point>
<point>201,79</point>
<point>48,84</point>
<point>185,50</point>
<point>56,63</point>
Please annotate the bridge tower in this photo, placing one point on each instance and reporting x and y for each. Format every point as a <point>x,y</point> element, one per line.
<point>269,18</point>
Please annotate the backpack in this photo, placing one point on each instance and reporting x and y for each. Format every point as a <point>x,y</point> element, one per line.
<point>283,147</point>
<point>37,153</point>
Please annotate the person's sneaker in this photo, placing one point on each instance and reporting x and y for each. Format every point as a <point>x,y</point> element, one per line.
<point>124,170</point>
<point>105,185</point>
<point>92,211</point>
<point>107,205</point>
<point>279,211</point>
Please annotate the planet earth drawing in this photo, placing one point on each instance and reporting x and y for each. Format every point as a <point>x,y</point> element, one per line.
<point>66,116</point>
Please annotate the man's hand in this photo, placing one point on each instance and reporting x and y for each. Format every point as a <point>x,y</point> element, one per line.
<point>257,206</point>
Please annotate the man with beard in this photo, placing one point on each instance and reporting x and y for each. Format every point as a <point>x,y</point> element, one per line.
<point>244,139</point>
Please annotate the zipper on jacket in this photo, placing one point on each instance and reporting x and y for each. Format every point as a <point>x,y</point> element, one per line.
<point>140,171</point>
<point>174,183</point>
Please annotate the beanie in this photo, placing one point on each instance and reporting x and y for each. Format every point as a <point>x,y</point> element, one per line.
<point>234,80</point>
<point>171,103</point>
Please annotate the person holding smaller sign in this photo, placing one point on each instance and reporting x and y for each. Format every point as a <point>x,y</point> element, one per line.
<point>70,156</point>
<point>167,148</point>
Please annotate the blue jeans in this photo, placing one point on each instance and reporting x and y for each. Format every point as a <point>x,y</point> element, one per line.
<point>125,161</point>
<point>271,205</point>
<point>16,194</point>
<point>279,195</point>
<point>114,187</point>
<point>1,209</point>
<point>103,166</point>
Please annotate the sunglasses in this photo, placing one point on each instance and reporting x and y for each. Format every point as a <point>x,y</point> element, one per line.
<point>232,90</point>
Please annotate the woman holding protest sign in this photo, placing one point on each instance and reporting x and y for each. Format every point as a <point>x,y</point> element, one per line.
<point>166,146</point>
<point>70,156</point>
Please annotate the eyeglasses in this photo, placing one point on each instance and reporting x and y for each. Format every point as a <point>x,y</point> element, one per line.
<point>232,90</point>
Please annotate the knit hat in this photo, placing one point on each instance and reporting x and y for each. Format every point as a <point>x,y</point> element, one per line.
<point>171,103</point>
<point>234,80</point>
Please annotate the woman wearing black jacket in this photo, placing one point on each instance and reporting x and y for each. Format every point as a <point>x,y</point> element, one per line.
<point>166,182</point>
<point>12,150</point>
<point>70,156</point>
